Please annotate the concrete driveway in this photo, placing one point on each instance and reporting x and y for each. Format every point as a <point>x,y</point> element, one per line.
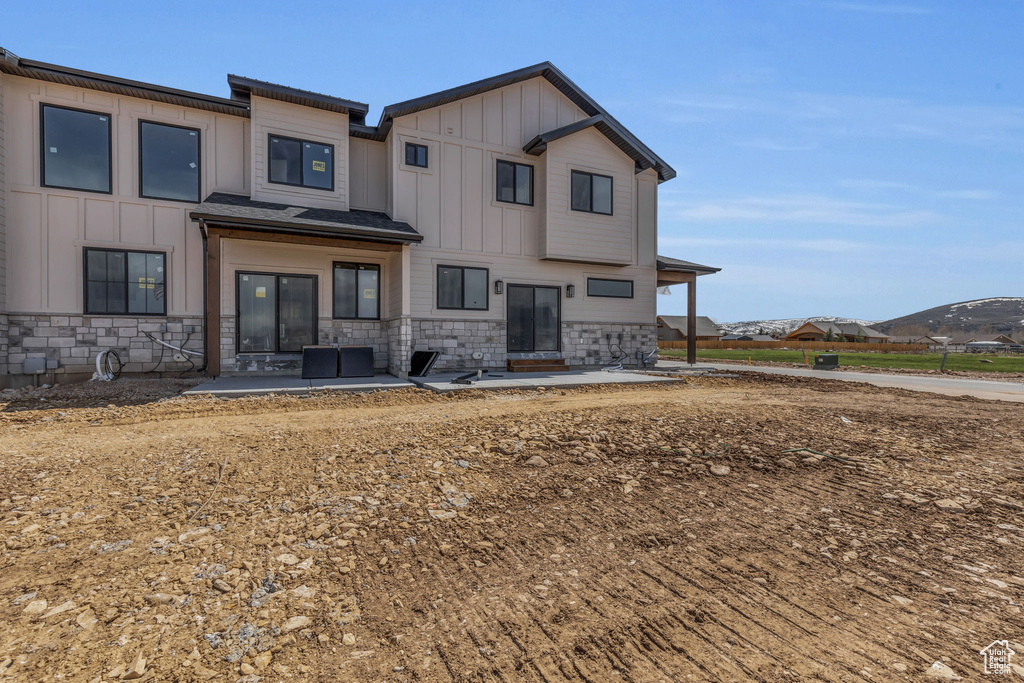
<point>951,386</point>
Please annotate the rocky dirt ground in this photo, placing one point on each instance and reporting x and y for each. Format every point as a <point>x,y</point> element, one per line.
<point>655,533</point>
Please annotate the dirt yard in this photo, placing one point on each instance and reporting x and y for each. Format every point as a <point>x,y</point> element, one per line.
<point>657,533</point>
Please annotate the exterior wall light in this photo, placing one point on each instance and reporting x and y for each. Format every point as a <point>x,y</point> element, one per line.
<point>499,286</point>
<point>570,291</point>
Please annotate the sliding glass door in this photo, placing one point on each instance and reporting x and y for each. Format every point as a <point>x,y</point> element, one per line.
<point>533,318</point>
<point>276,313</point>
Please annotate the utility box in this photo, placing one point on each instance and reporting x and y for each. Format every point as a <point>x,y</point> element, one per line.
<point>826,361</point>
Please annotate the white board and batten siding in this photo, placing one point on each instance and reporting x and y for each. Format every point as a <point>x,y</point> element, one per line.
<point>453,204</point>
<point>49,227</point>
<point>274,117</point>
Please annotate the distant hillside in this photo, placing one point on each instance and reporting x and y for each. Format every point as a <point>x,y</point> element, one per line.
<point>784,326</point>
<point>1003,314</point>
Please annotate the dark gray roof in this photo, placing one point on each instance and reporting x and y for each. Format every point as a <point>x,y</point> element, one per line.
<point>546,70</point>
<point>16,66</point>
<point>680,266</point>
<point>706,327</point>
<point>748,337</point>
<point>619,136</point>
<point>242,88</point>
<point>239,211</point>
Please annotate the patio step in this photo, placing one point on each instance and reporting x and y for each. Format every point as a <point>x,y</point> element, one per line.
<point>536,365</point>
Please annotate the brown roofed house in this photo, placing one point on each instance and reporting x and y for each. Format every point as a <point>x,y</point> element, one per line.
<point>673,328</point>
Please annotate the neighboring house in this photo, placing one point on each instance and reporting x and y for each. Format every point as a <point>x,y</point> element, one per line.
<point>818,331</point>
<point>673,328</point>
<point>509,216</point>
<point>748,337</point>
<point>975,337</point>
<point>915,339</point>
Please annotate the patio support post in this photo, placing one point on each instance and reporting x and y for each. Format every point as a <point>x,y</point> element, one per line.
<point>691,321</point>
<point>213,304</point>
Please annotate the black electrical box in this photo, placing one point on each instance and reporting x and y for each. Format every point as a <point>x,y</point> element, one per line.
<point>319,362</point>
<point>356,361</point>
<point>826,361</point>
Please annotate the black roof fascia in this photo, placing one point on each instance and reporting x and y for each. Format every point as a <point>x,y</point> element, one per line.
<point>27,68</point>
<point>311,230</point>
<point>546,70</point>
<point>242,88</point>
<point>666,263</point>
<point>616,134</point>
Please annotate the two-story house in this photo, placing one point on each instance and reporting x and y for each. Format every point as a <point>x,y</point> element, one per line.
<point>507,216</point>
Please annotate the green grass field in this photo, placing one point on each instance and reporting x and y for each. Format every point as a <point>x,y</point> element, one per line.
<point>923,361</point>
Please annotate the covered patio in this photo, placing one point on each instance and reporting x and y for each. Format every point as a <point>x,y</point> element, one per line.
<point>673,271</point>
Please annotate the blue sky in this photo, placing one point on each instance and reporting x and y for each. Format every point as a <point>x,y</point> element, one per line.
<point>861,158</point>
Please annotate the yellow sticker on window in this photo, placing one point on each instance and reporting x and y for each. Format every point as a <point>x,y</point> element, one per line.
<point>319,165</point>
<point>147,283</point>
<point>261,292</point>
<point>369,293</point>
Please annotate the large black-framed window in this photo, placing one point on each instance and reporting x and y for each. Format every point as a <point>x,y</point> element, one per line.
<point>169,162</point>
<point>416,155</point>
<point>356,291</point>
<point>122,282</point>
<point>514,182</point>
<point>302,163</point>
<point>75,149</point>
<point>275,312</point>
<point>592,192</point>
<point>613,289</point>
<point>462,287</point>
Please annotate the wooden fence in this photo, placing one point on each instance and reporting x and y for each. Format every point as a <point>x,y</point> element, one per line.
<point>797,345</point>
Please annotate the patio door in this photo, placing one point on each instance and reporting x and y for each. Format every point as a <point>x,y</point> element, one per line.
<point>276,312</point>
<point>534,321</point>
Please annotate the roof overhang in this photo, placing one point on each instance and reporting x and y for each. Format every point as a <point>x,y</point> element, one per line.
<point>545,70</point>
<point>27,68</point>
<point>643,157</point>
<point>236,211</point>
<point>243,88</point>
<point>673,265</point>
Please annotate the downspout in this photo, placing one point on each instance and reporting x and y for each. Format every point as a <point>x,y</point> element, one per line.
<point>206,304</point>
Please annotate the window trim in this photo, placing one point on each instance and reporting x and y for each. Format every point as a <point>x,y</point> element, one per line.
<point>302,156</point>
<point>497,189</point>
<point>127,313</point>
<point>591,176</point>
<point>437,287</point>
<point>277,313</point>
<point>426,153</point>
<point>199,163</point>
<point>632,288</point>
<point>334,293</point>
<point>42,148</point>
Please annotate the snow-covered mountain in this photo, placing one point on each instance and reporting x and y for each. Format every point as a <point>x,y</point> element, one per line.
<point>999,314</point>
<point>783,326</point>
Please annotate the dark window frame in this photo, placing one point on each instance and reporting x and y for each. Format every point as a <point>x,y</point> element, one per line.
<point>277,313</point>
<point>632,288</point>
<point>426,154</point>
<point>463,307</point>
<point>42,148</point>
<point>591,176</point>
<point>497,190</point>
<point>334,293</point>
<point>199,163</point>
<point>107,314</point>
<point>302,165</point>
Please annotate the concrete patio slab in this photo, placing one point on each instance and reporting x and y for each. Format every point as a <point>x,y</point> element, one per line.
<point>531,380</point>
<point>256,386</point>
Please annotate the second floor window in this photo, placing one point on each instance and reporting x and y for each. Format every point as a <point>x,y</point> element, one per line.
<point>459,287</point>
<point>168,162</point>
<point>415,155</point>
<point>515,182</point>
<point>357,291</point>
<point>125,282</point>
<point>591,193</point>
<point>301,162</point>
<point>76,149</point>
